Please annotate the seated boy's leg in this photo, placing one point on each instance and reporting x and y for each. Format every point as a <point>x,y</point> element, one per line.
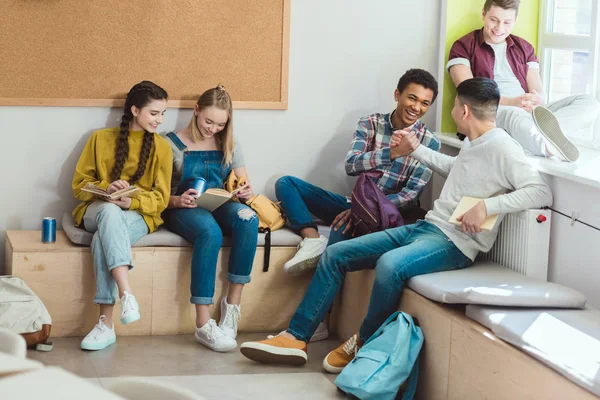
<point>428,250</point>
<point>299,200</point>
<point>351,255</point>
<point>520,125</point>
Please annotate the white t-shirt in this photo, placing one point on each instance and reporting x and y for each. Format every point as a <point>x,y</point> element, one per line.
<point>503,74</point>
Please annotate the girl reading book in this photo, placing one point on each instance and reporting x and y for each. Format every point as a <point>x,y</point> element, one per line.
<point>206,149</point>
<point>115,159</point>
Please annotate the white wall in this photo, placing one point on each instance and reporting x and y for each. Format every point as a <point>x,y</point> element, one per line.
<point>574,250</point>
<point>345,60</point>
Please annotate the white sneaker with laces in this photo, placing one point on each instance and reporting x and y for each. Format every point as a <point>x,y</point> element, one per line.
<point>321,333</point>
<point>307,257</point>
<point>130,310</point>
<point>100,337</point>
<point>230,315</point>
<point>214,338</point>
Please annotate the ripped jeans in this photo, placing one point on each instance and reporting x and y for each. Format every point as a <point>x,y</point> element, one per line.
<point>205,230</point>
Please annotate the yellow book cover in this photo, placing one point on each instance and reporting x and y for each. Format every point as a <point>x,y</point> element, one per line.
<point>464,205</point>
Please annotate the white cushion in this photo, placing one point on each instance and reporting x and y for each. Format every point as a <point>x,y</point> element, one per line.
<point>164,237</point>
<point>568,341</point>
<point>486,282</point>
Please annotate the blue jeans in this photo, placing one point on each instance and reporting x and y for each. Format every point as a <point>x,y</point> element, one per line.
<point>205,231</point>
<point>115,230</point>
<point>300,199</point>
<point>396,254</point>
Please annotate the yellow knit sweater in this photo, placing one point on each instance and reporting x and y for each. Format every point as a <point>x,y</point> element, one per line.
<point>96,162</point>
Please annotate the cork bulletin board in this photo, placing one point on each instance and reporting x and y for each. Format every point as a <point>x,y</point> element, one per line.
<point>90,53</point>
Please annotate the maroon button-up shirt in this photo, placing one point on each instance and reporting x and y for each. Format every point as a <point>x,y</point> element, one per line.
<point>473,47</point>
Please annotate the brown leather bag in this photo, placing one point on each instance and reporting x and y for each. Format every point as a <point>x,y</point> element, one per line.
<point>270,217</point>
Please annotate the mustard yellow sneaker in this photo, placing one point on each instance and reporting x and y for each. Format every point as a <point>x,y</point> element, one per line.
<point>276,350</point>
<point>337,359</point>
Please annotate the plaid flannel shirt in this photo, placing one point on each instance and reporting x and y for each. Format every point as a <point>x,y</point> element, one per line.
<point>404,178</point>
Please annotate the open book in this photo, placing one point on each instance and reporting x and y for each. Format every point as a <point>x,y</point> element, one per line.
<point>211,199</point>
<point>465,204</point>
<point>127,192</point>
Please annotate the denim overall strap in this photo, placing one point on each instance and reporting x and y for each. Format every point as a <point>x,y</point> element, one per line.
<point>175,139</point>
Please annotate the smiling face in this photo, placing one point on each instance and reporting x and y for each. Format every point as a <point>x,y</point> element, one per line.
<point>211,120</point>
<point>498,23</point>
<point>413,103</point>
<point>149,117</point>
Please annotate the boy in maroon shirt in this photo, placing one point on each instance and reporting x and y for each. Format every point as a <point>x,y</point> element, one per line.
<point>493,52</point>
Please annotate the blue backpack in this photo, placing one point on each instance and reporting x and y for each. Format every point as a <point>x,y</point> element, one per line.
<point>387,360</point>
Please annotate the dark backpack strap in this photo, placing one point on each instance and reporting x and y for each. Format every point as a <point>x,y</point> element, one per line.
<point>267,258</point>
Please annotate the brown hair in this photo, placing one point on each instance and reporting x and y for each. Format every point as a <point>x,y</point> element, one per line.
<point>504,4</point>
<point>217,97</point>
<point>140,95</point>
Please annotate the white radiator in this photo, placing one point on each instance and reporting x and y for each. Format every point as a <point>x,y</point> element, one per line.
<point>523,244</point>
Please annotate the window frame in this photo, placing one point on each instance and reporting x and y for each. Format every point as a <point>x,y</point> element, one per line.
<point>591,44</point>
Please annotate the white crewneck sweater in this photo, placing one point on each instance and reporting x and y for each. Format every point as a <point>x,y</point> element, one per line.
<point>493,167</point>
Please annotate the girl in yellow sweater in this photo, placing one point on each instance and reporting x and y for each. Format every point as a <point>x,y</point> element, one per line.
<point>114,159</point>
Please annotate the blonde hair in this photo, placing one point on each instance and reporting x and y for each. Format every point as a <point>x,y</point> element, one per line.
<point>217,97</point>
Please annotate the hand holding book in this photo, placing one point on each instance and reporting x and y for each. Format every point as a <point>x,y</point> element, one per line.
<point>471,216</point>
<point>115,191</point>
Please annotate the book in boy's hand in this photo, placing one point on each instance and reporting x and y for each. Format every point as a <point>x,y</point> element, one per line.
<point>211,199</point>
<point>464,205</point>
<point>127,192</point>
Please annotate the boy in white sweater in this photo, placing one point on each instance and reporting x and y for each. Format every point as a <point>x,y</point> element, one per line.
<point>493,167</point>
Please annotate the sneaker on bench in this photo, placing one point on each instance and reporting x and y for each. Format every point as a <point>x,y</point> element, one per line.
<point>556,141</point>
<point>307,257</point>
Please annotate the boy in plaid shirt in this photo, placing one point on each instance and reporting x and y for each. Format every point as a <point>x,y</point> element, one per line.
<point>403,178</point>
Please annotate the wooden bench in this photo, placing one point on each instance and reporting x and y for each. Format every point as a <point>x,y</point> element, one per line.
<point>62,275</point>
<point>461,359</point>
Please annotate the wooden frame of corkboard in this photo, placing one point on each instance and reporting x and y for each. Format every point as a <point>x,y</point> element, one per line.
<point>185,46</point>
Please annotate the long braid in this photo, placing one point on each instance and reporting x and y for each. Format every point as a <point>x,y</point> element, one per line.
<point>144,156</point>
<point>122,149</point>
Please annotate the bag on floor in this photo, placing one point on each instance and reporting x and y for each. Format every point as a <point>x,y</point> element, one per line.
<point>22,312</point>
<point>387,361</point>
<point>371,210</point>
<point>270,217</point>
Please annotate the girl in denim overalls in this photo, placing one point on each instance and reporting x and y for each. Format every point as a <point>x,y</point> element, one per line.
<point>113,159</point>
<point>206,149</point>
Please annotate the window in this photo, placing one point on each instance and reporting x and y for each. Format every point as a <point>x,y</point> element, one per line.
<point>569,39</point>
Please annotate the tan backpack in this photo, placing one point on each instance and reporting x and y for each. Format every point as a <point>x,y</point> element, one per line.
<point>270,217</point>
<point>22,312</point>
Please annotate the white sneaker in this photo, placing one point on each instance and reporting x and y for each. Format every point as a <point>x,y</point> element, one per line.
<point>214,338</point>
<point>130,310</point>
<point>100,337</point>
<point>321,333</point>
<point>230,315</point>
<point>307,257</point>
